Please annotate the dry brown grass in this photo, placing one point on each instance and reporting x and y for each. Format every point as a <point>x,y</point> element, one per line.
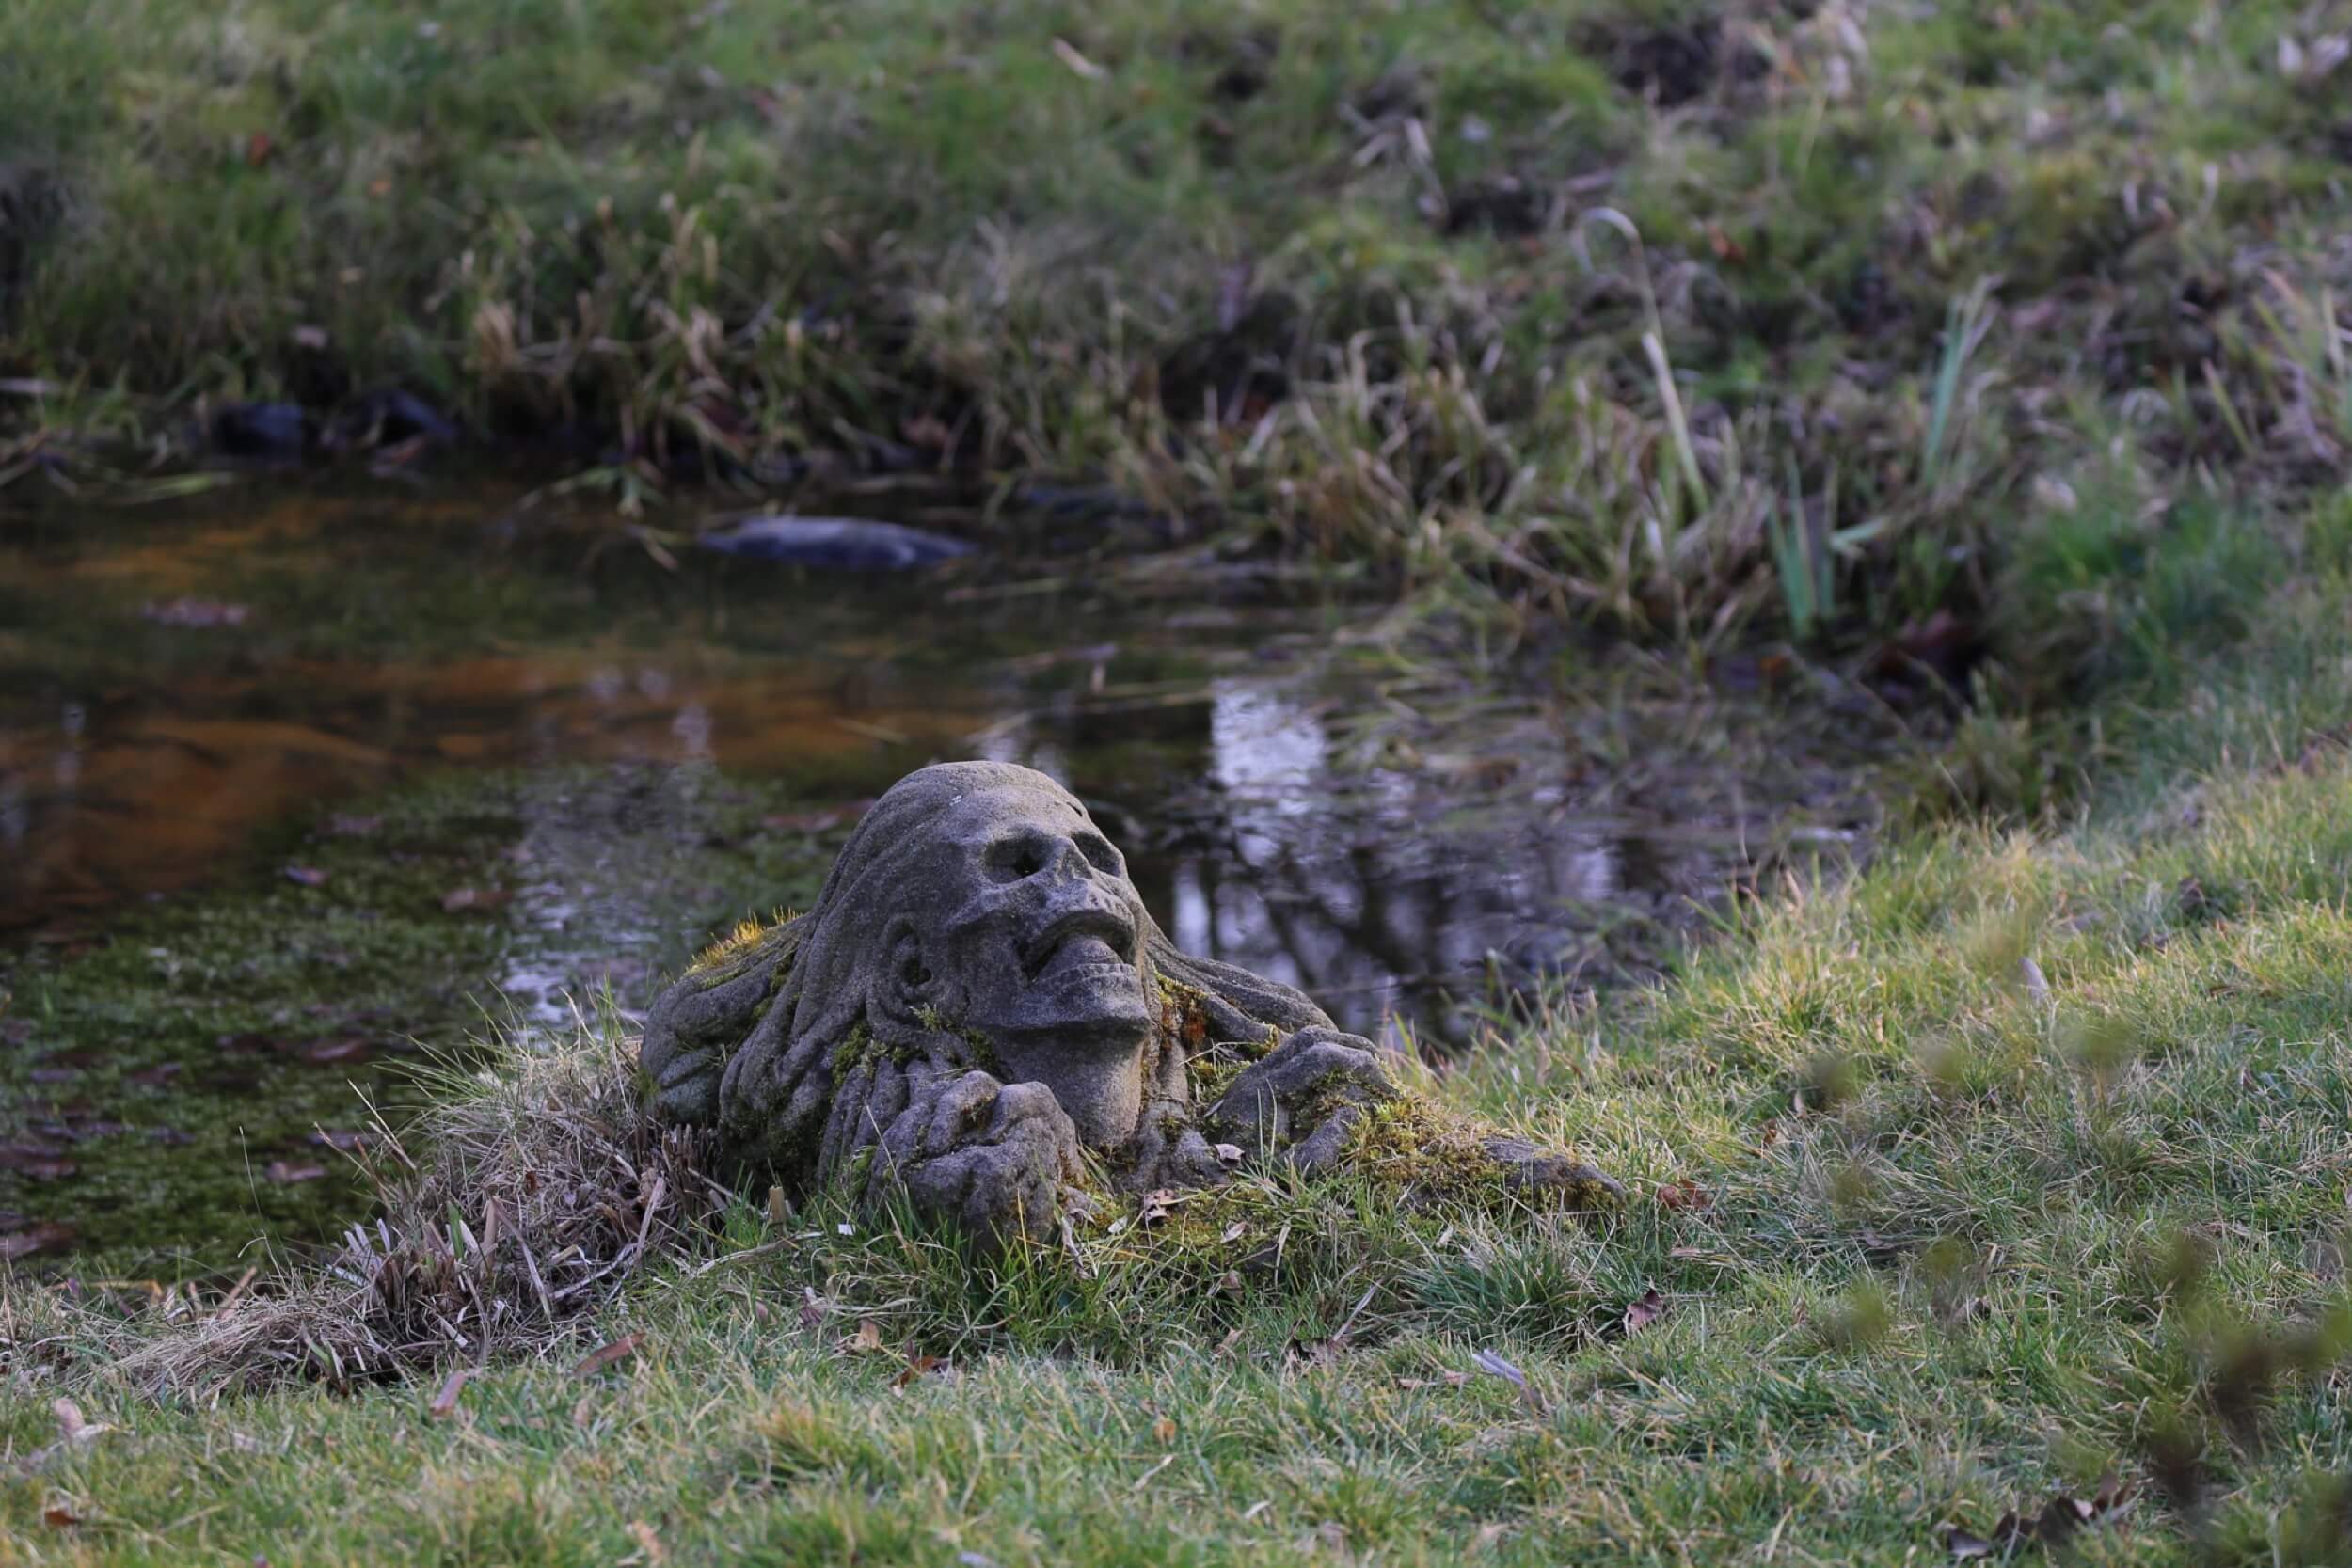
<point>526,1193</point>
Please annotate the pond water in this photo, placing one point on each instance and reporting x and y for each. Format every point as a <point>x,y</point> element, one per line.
<point>295,781</point>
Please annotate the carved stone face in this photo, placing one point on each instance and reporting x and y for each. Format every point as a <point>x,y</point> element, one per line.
<point>1028,932</point>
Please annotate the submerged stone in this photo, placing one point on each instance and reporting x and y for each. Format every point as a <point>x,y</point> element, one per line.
<point>270,429</point>
<point>978,1012</point>
<point>839,544</point>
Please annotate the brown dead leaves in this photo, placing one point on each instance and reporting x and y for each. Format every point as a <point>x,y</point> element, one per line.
<point>867,1340</point>
<point>444,1403</point>
<point>1646,1309</point>
<point>1677,1197</point>
<point>610,1354</point>
<point>2053,1523</point>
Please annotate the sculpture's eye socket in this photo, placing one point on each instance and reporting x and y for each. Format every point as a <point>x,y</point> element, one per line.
<point>1100,853</point>
<point>1013,859</point>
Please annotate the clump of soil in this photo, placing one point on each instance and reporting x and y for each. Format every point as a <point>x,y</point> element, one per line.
<point>1505,205</point>
<point>1671,65</point>
<point>1670,62</point>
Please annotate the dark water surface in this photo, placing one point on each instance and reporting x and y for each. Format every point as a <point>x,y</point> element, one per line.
<point>292,780</point>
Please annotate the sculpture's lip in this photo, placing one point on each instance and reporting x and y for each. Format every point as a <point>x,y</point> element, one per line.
<point>1107,927</point>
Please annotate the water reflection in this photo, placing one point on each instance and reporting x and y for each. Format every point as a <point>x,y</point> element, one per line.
<point>138,756</point>
<point>604,764</point>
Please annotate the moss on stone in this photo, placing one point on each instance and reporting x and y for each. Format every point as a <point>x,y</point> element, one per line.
<point>857,1048</point>
<point>751,942</point>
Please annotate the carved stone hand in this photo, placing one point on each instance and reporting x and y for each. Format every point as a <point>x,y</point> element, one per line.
<point>1303,1097</point>
<point>999,1159</point>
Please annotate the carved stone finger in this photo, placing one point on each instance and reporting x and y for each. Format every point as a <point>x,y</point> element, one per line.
<point>960,1111</point>
<point>1532,1167</point>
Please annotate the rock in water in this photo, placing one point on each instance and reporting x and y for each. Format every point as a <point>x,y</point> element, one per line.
<point>978,1013</point>
<point>837,544</point>
<point>394,416</point>
<point>271,430</point>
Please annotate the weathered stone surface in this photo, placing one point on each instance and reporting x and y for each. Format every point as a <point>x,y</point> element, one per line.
<point>978,1012</point>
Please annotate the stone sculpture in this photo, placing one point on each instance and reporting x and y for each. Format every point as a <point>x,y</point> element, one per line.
<point>979,1012</point>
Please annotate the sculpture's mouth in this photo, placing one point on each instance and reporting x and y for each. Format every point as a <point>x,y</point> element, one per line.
<point>1079,942</point>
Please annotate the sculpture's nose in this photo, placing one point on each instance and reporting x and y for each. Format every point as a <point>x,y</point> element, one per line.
<point>1067,863</point>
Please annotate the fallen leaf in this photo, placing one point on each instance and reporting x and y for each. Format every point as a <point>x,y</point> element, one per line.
<point>459,901</point>
<point>605,1356</point>
<point>445,1402</point>
<point>1490,1362</point>
<point>1164,1430</point>
<point>306,875</point>
<point>258,147</point>
<point>1677,1196</point>
<point>919,1368</point>
<point>648,1543</point>
<point>286,1173</point>
<point>1229,1155</point>
<point>2061,1516</point>
<point>2053,1523</point>
<point>1966,1547</point>
<point>1444,1380</point>
<point>60,1516</point>
<point>71,1425</point>
<point>1647,1310</point>
<point>867,1340</point>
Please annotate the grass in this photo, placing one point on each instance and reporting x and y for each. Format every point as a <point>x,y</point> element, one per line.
<point>2012,1164</point>
<point>2009,1169</point>
<point>1693,318</point>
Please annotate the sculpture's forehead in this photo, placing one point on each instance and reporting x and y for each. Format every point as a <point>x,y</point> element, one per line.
<point>985,812</point>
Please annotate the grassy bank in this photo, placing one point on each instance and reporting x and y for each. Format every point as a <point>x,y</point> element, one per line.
<point>2006,1176</point>
<point>1682,315</point>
